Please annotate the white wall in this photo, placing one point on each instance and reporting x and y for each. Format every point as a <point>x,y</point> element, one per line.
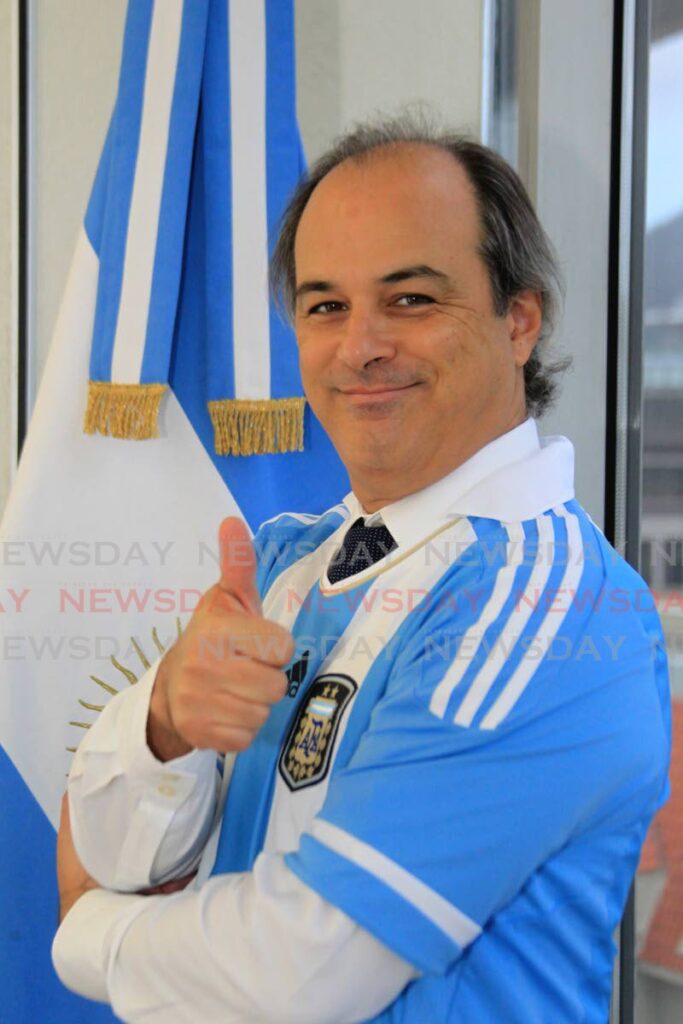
<point>360,57</point>
<point>74,70</point>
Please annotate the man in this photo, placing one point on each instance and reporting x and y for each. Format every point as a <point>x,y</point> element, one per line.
<point>435,812</point>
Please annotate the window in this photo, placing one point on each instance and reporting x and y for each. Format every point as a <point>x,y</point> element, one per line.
<point>659,891</point>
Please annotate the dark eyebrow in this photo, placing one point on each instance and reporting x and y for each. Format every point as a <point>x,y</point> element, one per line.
<point>313,286</point>
<point>420,270</point>
<point>395,277</point>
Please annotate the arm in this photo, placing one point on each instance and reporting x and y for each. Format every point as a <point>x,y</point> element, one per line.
<point>166,960</point>
<point>437,834</point>
<point>319,965</point>
<point>143,787</point>
<point>183,958</point>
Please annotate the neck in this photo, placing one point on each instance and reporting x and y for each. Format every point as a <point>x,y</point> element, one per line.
<point>376,486</point>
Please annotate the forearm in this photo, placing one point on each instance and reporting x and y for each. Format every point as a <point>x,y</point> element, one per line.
<point>137,821</point>
<point>255,946</point>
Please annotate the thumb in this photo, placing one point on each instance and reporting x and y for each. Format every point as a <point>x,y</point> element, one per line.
<point>238,564</point>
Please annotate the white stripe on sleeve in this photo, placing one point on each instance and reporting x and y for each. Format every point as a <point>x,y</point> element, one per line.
<point>514,627</point>
<point>548,629</point>
<point>460,928</point>
<point>501,591</point>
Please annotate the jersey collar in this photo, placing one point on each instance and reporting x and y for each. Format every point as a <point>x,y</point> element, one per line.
<point>517,476</point>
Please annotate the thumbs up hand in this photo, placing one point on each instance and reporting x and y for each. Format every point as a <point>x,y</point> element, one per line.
<point>215,686</point>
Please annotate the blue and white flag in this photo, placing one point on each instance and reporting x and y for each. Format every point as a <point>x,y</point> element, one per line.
<point>193,411</point>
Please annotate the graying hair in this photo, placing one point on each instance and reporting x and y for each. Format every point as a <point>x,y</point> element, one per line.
<point>514,247</point>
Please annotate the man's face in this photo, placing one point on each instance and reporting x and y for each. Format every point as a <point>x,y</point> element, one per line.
<point>402,356</point>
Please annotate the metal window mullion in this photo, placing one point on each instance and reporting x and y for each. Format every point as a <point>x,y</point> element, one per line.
<point>627,249</point>
<point>499,83</point>
<point>634,446</point>
<point>634,464</point>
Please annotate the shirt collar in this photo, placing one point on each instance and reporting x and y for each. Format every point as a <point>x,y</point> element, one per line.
<point>517,476</point>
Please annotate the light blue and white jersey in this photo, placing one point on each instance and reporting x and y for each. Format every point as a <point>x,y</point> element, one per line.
<point>474,741</point>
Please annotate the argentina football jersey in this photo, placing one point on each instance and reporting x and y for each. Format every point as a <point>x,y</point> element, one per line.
<point>475,731</point>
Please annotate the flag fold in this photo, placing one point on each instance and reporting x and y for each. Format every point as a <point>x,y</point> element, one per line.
<point>205,115</point>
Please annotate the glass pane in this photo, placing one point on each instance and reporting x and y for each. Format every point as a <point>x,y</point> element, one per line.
<point>659,893</point>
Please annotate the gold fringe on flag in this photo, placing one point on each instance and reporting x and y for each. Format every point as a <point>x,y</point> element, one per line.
<point>123,410</point>
<point>268,426</point>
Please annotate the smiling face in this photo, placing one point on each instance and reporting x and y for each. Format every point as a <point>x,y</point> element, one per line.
<point>403,358</point>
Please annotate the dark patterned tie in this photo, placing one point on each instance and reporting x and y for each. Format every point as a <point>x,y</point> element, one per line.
<point>362,547</point>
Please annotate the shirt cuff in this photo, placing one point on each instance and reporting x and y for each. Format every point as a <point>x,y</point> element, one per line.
<point>82,947</point>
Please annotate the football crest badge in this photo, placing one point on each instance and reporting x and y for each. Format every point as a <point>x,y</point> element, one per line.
<point>307,751</point>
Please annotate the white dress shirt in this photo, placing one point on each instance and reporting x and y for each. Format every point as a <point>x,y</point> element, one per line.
<point>244,947</point>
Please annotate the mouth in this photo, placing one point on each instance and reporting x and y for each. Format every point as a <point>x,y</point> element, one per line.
<point>359,395</point>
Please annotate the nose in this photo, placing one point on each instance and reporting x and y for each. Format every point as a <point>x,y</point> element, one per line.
<point>365,337</point>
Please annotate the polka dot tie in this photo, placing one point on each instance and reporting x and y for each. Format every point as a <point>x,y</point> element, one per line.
<point>362,547</point>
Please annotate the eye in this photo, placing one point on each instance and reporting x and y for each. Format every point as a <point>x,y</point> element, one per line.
<point>413,299</point>
<point>326,307</point>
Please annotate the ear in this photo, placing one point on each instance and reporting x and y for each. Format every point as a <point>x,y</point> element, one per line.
<point>524,318</point>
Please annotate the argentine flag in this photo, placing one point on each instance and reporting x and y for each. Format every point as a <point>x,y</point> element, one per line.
<point>170,399</point>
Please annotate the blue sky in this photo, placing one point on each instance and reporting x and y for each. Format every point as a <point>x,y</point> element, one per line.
<point>665,131</point>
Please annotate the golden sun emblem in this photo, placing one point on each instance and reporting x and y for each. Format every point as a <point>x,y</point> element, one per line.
<point>128,674</point>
